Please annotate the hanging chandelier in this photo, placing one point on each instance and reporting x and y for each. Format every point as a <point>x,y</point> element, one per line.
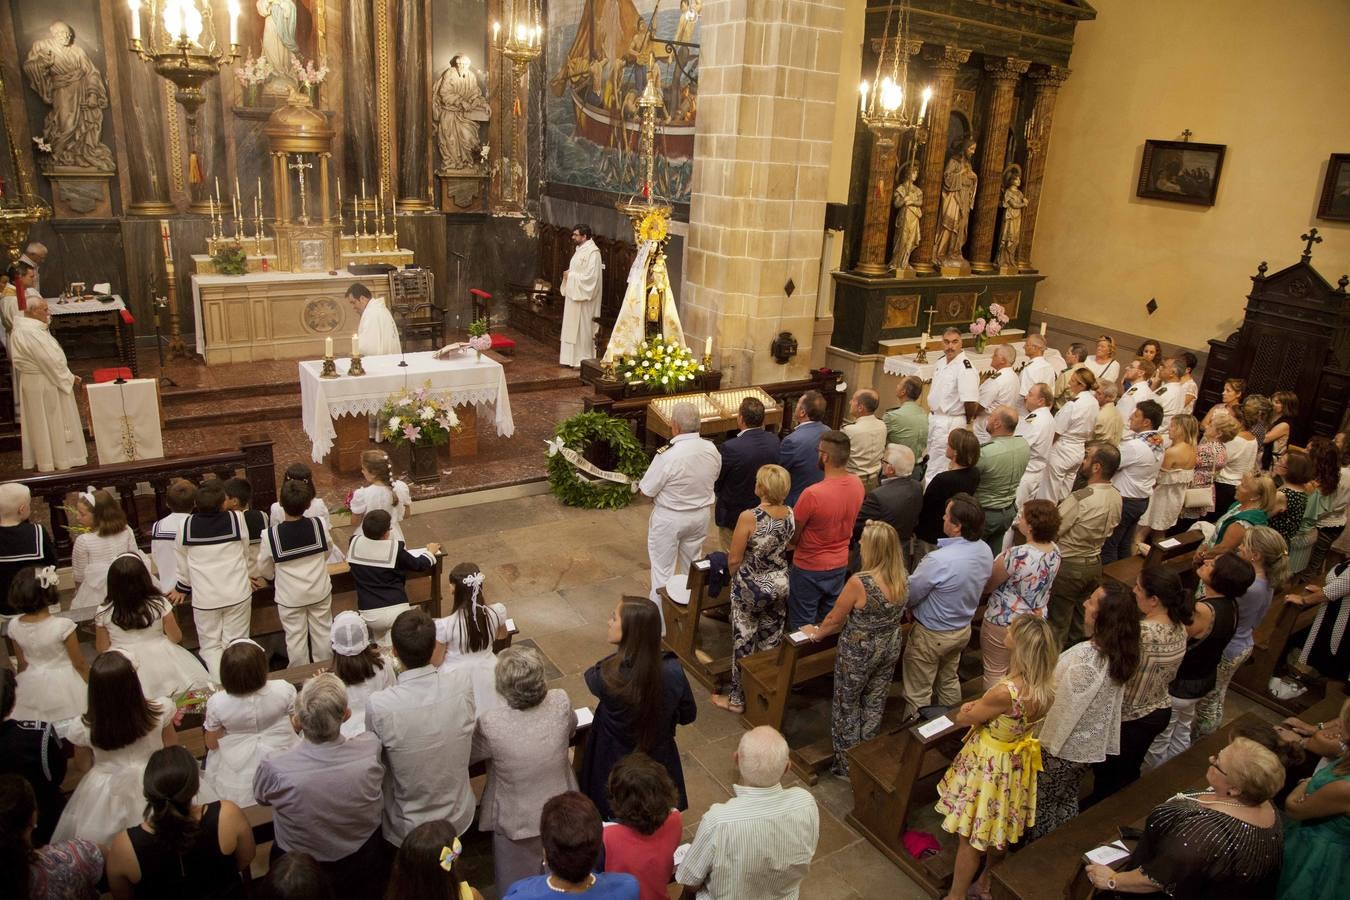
<point>886,103</point>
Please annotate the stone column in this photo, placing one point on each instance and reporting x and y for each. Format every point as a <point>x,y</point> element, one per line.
<point>1047,82</point>
<point>412,111</point>
<point>141,100</point>
<point>359,137</point>
<point>767,91</point>
<point>1004,74</point>
<point>946,60</point>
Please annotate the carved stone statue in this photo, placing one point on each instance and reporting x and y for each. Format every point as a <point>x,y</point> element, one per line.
<point>1013,203</point>
<point>67,81</point>
<point>278,44</point>
<point>909,203</point>
<point>458,107</point>
<point>959,182</point>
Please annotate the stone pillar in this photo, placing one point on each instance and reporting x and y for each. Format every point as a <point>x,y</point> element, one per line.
<point>1047,82</point>
<point>767,91</point>
<point>412,110</point>
<point>141,100</point>
<point>946,60</point>
<point>359,156</point>
<point>1004,74</point>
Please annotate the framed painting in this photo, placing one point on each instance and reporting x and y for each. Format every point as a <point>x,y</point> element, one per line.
<point>1181,172</point>
<point>1335,202</point>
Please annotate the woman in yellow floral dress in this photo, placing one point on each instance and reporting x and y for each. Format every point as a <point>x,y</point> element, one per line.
<point>988,796</point>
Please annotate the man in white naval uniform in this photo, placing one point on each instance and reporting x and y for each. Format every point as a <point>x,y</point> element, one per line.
<point>1037,370</point>
<point>1001,390</point>
<point>1073,429</point>
<point>680,480</point>
<point>953,400</point>
<point>1139,373</point>
<point>1037,427</point>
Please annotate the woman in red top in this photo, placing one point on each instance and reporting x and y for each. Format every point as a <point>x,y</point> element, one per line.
<point>647,827</point>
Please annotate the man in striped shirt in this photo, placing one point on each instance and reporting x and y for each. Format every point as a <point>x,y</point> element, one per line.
<point>760,842</point>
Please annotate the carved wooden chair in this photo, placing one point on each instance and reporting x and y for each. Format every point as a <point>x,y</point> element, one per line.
<point>413,304</point>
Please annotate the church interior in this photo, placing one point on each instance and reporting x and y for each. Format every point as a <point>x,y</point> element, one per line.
<point>506,248</point>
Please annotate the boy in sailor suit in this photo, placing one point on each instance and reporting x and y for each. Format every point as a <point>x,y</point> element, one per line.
<point>295,554</point>
<point>180,497</point>
<point>212,551</point>
<point>377,565</point>
<point>238,494</point>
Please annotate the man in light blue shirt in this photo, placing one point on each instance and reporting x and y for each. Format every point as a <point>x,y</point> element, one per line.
<point>944,592</point>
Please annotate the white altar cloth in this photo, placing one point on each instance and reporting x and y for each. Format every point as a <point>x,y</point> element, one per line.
<point>126,420</point>
<point>461,379</point>
<point>905,365</point>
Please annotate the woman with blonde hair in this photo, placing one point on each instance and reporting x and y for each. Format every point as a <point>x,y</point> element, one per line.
<point>988,796</point>
<point>1210,458</point>
<point>1178,470</point>
<point>867,614</point>
<point>759,577</point>
<point>1315,841</point>
<point>1253,505</point>
<point>1104,364</point>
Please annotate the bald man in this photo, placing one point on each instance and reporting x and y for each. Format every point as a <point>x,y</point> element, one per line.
<point>1000,390</point>
<point>51,434</point>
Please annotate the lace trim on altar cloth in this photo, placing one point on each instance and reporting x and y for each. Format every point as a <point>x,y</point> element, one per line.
<point>369,406</point>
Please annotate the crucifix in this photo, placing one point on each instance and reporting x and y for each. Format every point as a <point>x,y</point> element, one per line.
<point>1186,136</point>
<point>1312,237</point>
<point>301,167</point>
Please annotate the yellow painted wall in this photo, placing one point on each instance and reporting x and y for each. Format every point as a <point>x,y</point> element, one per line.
<point>1268,78</point>
<point>846,100</point>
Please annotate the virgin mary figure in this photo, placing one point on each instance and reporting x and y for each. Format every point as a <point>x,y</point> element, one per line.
<point>278,44</point>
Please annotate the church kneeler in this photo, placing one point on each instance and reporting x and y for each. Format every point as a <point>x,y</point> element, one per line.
<point>682,622</point>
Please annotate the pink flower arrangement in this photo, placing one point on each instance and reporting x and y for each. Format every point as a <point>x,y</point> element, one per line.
<point>308,73</point>
<point>977,327</point>
<point>412,433</point>
<point>988,323</point>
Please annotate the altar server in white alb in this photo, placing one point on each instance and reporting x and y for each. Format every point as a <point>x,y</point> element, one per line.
<point>295,554</point>
<point>680,480</point>
<point>377,333</point>
<point>213,569</point>
<point>581,288</point>
<point>953,400</point>
<point>52,434</point>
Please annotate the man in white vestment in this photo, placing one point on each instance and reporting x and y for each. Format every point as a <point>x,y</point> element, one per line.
<point>377,333</point>
<point>35,255</point>
<point>581,288</point>
<point>52,434</point>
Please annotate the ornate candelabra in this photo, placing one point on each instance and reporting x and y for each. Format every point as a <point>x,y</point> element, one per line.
<point>183,49</point>
<point>523,45</point>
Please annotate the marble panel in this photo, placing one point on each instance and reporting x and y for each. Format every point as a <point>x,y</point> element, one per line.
<point>82,250</point>
<point>360,156</point>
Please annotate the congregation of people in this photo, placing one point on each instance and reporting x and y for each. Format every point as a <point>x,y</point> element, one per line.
<point>908,538</point>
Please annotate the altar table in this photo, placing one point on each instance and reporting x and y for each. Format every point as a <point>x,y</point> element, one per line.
<point>462,379</point>
<point>73,320</point>
<point>905,365</point>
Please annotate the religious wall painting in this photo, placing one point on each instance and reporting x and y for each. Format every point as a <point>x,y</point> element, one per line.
<point>954,308</point>
<point>902,311</point>
<point>1335,202</point>
<point>595,65</point>
<point>1180,171</point>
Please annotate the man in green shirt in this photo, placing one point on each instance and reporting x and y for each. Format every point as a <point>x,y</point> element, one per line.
<point>908,423</point>
<point>1002,463</point>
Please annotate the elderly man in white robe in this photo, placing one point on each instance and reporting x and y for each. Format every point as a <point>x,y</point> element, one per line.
<point>52,434</point>
<point>377,333</point>
<point>581,288</point>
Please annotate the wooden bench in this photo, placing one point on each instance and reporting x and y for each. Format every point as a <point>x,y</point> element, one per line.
<point>682,622</point>
<point>769,676</point>
<point>885,773</point>
<point>1175,554</point>
<point>1270,644</point>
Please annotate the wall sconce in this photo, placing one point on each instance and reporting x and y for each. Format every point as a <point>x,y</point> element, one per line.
<point>784,347</point>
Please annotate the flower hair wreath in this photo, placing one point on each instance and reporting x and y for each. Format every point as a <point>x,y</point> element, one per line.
<point>46,577</point>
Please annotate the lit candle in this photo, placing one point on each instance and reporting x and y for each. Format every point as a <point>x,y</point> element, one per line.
<point>1042,329</point>
<point>520,33</point>
<point>496,29</point>
<point>538,35</point>
<point>862,91</point>
<point>363,189</point>
<point>217,190</point>
<point>707,346</point>
<point>356,344</point>
<point>328,348</point>
<point>234,23</point>
<point>923,107</point>
<point>135,6</point>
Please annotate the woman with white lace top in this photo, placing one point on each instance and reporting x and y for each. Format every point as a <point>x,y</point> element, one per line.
<point>1083,725</point>
<point>381,492</point>
<point>464,638</point>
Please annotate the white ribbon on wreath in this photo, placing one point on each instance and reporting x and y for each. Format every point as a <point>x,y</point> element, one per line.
<point>579,462</point>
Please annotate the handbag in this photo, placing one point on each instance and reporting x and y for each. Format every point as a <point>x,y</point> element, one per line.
<point>1197,498</point>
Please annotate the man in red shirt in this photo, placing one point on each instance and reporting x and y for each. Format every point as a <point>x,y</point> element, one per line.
<point>824,515</point>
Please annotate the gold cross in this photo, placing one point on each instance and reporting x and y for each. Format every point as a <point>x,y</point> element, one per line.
<point>301,167</point>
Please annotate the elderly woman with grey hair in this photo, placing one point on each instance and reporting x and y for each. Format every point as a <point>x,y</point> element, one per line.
<point>326,792</point>
<point>526,748</point>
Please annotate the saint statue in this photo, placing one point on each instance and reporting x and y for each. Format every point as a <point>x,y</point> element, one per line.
<point>1013,203</point>
<point>458,105</point>
<point>958,199</point>
<point>278,44</point>
<point>909,203</point>
<point>67,81</point>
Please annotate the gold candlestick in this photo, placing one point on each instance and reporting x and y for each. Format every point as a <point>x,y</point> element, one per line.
<point>356,368</point>
<point>258,224</point>
<point>329,369</point>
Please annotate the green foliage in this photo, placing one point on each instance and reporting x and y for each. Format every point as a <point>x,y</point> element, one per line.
<point>231,260</point>
<point>578,433</point>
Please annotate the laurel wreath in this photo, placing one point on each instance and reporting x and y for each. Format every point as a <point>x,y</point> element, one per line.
<point>579,433</point>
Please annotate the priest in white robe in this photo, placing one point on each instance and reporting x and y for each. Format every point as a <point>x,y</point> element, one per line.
<point>52,434</point>
<point>581,289</point>
<point>377,333</point>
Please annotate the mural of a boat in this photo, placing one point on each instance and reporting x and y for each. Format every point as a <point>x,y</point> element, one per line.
<point>607,126</point>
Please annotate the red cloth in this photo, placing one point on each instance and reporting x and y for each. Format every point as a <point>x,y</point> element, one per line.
<point>650,858</point>
<point>105,375</point>
<point>18,289</point>
<point>483,294</point>
<point>127,317</point>
<point>825,513</point>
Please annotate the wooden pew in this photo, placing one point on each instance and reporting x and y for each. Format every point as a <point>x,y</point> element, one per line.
<point>1175,554</point>
<point>682,621</point>
<point>770,675</point>
<point>885,773</point>
<point>1270,640</point>
<point>1049,867</point>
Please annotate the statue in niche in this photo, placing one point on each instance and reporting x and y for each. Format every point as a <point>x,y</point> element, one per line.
<point>909,203</point>
<point>459,107</point>
<point>959,182</point>
<point>278,44</point>
<point>1014,201</point>
<point>67,81</point>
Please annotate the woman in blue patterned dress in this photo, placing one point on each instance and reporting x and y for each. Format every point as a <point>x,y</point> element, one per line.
<point>759,585</point>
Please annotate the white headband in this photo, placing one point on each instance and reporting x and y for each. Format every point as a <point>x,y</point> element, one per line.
<point>245,640</point>
<point>88,495</point>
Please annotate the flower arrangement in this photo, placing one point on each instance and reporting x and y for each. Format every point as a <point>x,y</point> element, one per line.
<point>190,703</point>
<point>417,418</point>
<point>653,226</point>
<point>308,74</point>
<point>659,364</point>
<point>230,259</point>
<point>253,72</point>
<point>989,321</point>
<point>479,338</point>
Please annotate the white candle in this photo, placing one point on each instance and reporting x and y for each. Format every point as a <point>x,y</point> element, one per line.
<point>707,347</point>
<point>328,348</point>
<point>496,28</point>
<point>1042,329</point>
<point>862,99</point>
<point>923,107</point>
<point>234,23</point>
<point>356,344</point>
<point>923,339</point>
<point>135,6</point>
